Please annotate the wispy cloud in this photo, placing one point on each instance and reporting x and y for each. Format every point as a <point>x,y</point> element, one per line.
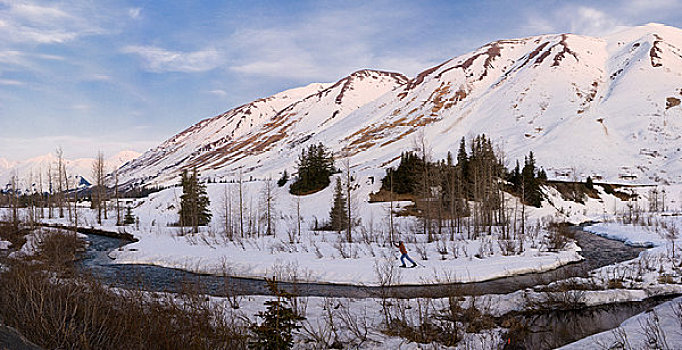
<point>18,148</point>
<point>218,92</point>
<point>11,82</point>
<point>327,44</point>
<point>159,60</point>
<point>134,13</point>
<point>28,22</point>
<point>599,19</point>
<point>81,107</point>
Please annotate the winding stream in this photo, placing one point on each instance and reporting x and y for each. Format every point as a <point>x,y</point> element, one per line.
<point>597,251</point>
<point>547,329</point>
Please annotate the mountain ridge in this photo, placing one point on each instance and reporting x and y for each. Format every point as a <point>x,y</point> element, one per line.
<point>603,107</point>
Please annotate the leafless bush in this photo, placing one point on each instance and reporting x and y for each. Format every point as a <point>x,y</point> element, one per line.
<point>557,237</point>
<point>387,274</point>
<point>357,324</point>
<point>81,313</point>
<point>422,250</point>
<point>620,340</point>
<point>233,298</point>
<point>12,233</point>
<point>318,335</point>
<point>58,249</point>
<point>343,248</point>
<point>518,330</point>
<point>652,331</point>
<point>318,253</point>
<point>455,249</point>
<point>507,246</point>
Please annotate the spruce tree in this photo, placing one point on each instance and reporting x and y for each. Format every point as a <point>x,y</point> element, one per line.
<point>315,167</point>
<point>404,178</point>
<point>280,321</point>
<point>129,218</point>
<point>194,202</point>
<point>532,193</point>
<point>338,215</point>
<point>284,179</point>
<point>463,159</point>
<point>588,183</point>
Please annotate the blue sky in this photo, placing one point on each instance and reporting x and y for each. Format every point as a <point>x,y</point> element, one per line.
<point>113,75</point>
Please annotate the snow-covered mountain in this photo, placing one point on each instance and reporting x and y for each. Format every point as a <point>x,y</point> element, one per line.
<point>32,170</point>
<point>606,106</point>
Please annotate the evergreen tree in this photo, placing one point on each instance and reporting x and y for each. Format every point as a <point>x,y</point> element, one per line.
<point>542,175</point>
<point>194,202</point>
<point>280,322</point>
<point>129,218</point>
<point>463,159</point>
<point>514,177</point>
<point>532,194</point>
<point>315,167</point>
<point>284,179</point>
<point>588,183</point>
<point>338,215</point>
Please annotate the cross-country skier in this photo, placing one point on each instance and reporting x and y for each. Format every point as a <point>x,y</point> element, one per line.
<point>403,252</point>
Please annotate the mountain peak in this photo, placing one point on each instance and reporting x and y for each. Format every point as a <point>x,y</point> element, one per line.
<point>598,104</point>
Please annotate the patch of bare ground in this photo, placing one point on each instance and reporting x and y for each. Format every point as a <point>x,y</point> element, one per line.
<point>387,196</point>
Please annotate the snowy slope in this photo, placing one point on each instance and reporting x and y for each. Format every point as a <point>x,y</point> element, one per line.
<point>29,171</point>
<point>285,119</point>
<point>585,106</point>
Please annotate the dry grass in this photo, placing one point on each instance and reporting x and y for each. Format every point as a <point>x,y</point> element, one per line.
<point>82,313</point>
<point>12,233</point>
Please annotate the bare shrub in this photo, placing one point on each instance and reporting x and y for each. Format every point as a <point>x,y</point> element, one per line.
<point>82,313</point>
<point>318,335</point>
<point>507,246</point>
<point>233,298</point>
<point>357,324</point>
<point>388,274</point>
<point>422,250</point>
<point>620,340</point>
<point>344,248</point>
<point>558,235</point>
<point>652,331</point>
<point>12,233</point>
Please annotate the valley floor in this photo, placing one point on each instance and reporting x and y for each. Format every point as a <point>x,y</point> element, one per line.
<point>371,260</point>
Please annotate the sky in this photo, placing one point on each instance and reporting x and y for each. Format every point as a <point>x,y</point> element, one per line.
<point>116,75</point>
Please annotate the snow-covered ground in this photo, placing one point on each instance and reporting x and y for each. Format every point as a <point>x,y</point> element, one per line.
<point>325,256</point>
<point>316,255</point>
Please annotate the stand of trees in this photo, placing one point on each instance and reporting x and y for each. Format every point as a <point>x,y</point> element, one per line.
<point>471,184</point>
<point>315,166</point>
<point>525,183</point>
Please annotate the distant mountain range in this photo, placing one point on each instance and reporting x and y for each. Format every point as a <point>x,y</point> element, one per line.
<point>29,171</point>
<point>606,107</point>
